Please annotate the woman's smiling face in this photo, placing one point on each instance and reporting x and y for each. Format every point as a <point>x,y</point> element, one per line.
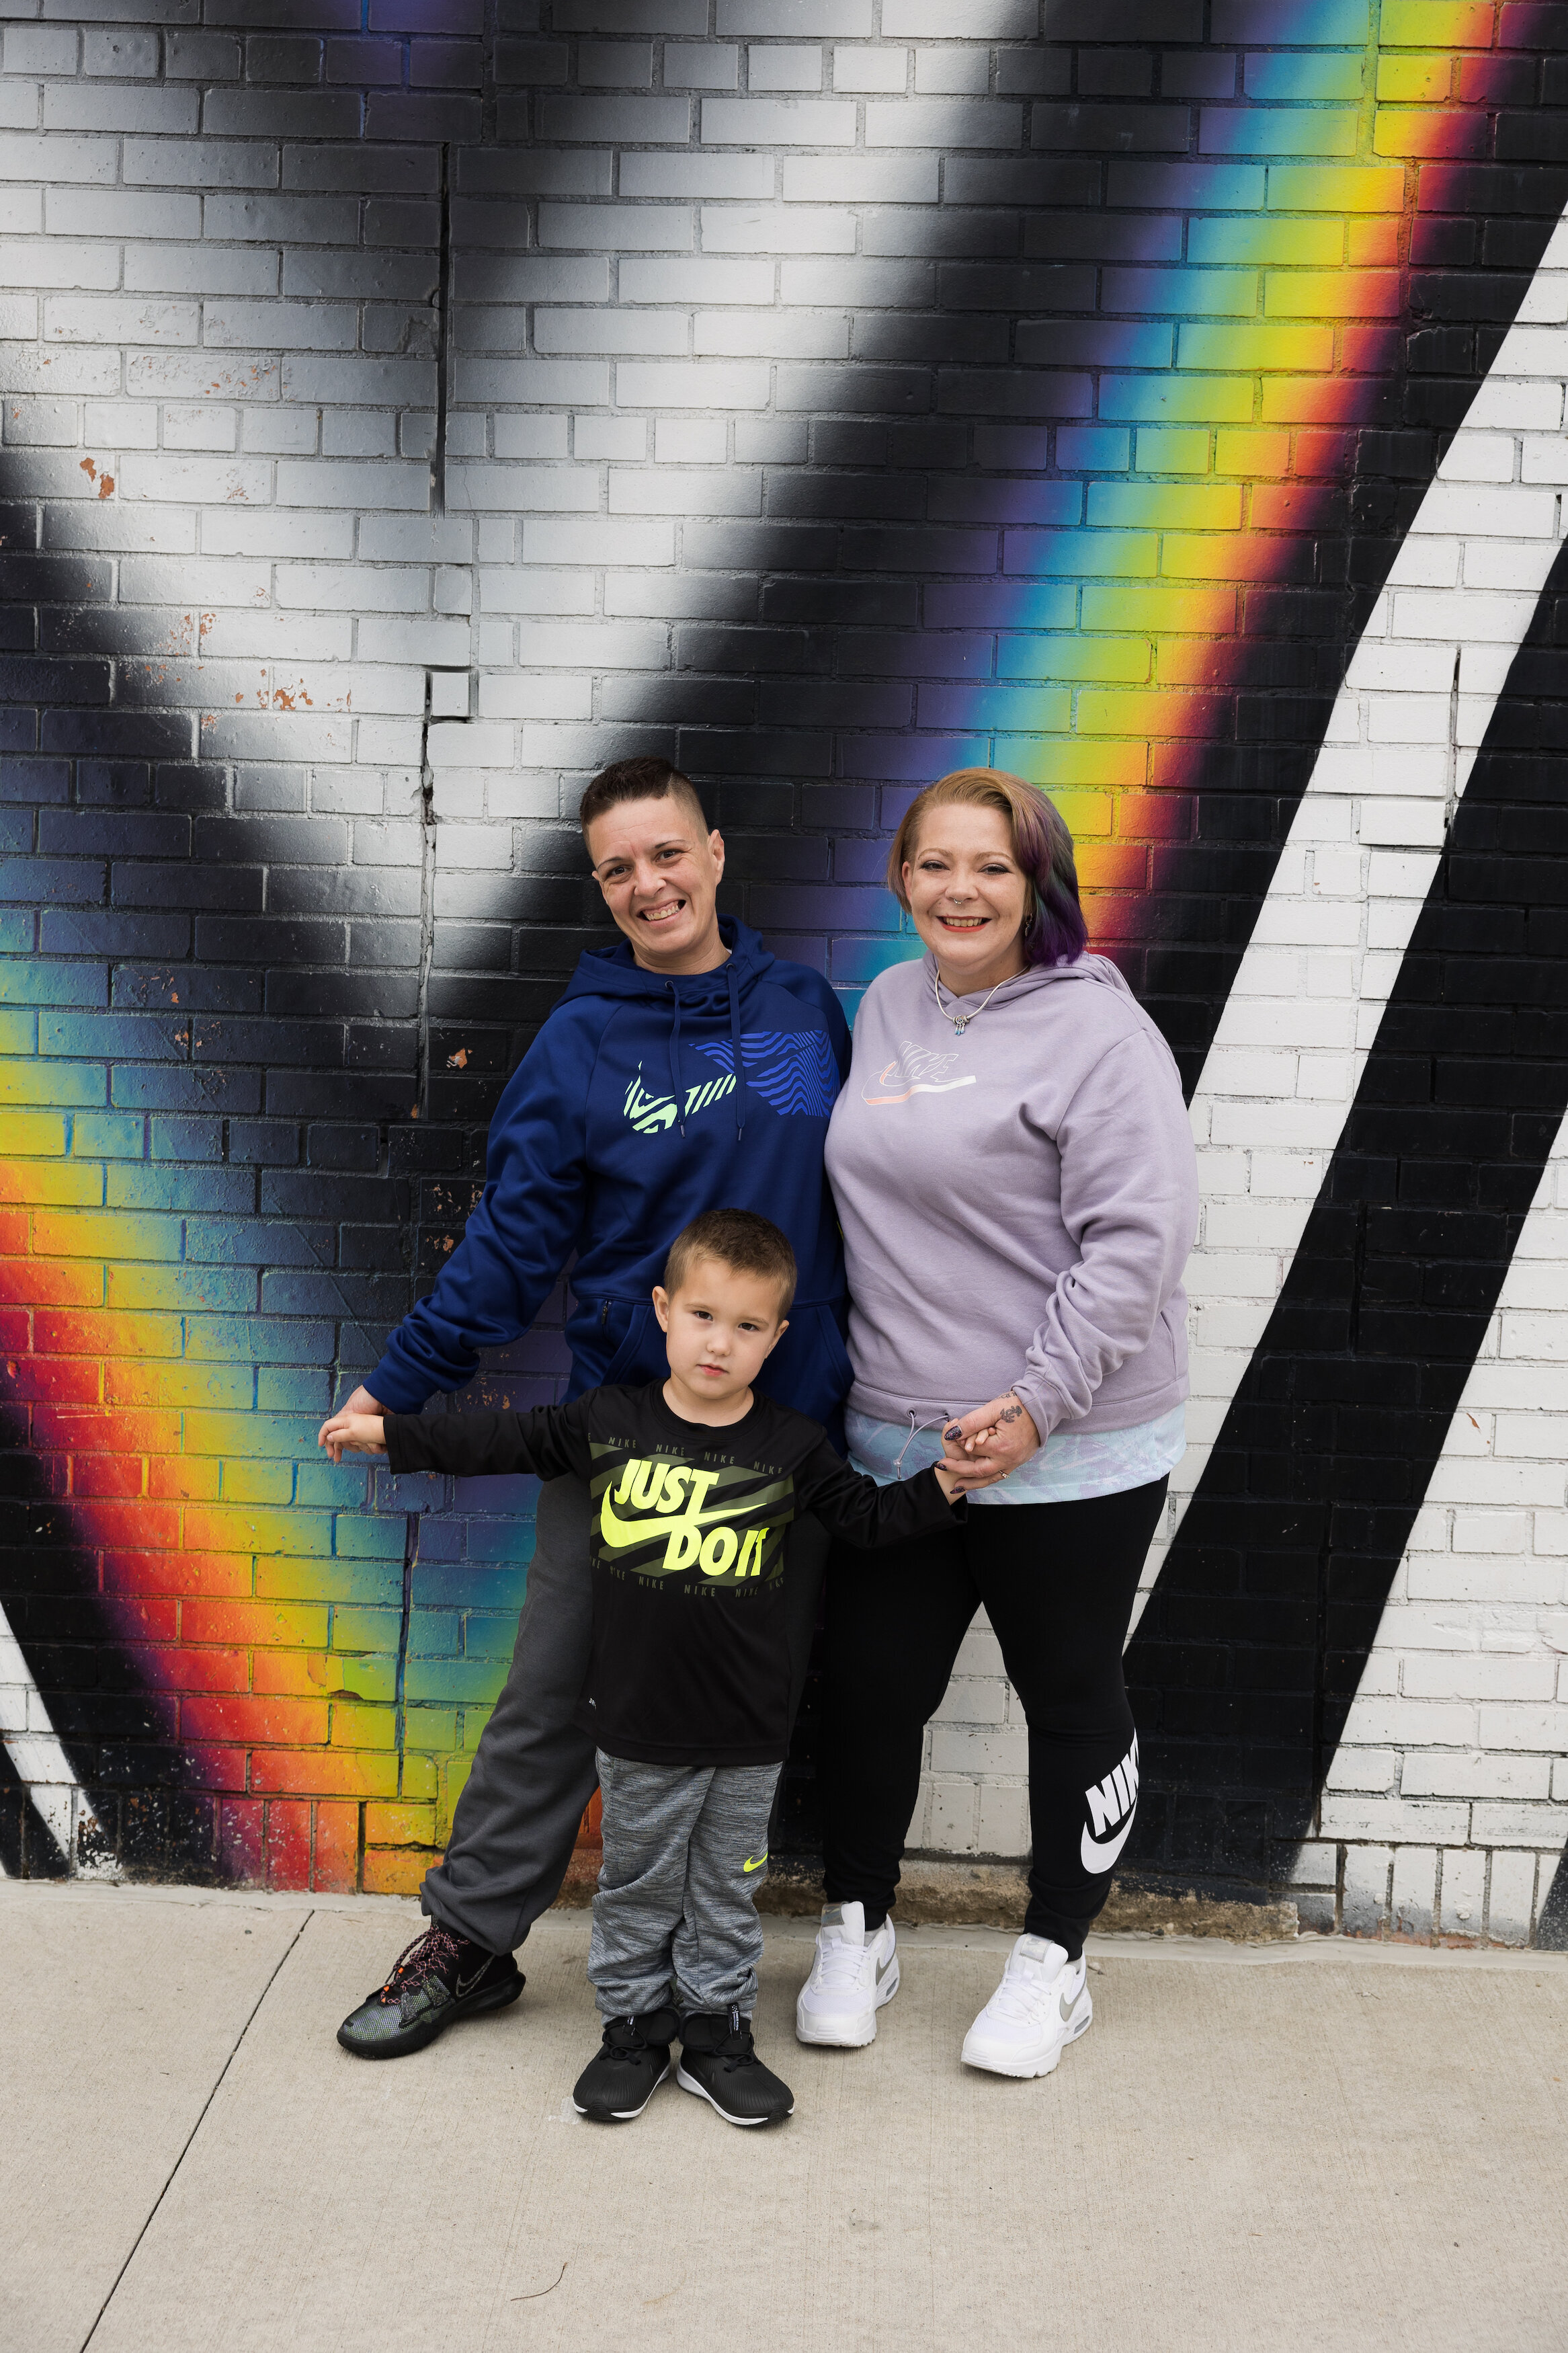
<point>968,896</point>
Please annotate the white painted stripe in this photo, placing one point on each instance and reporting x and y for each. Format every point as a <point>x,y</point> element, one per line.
<point>35,1750</point>
<point>1366,844</point>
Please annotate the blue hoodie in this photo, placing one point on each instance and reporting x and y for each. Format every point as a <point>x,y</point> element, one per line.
<point>643,1101</point>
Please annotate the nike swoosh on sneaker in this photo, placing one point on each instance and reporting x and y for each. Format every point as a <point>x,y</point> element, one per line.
<point>1067,2008</point>
<point>750,1865</point>
<point>465,1985</point>
<point>1099,1854</point>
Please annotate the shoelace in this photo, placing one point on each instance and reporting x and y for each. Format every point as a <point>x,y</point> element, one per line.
<point>839,1963</point>
<point>435,1947</point>
<point>1021,1994</point>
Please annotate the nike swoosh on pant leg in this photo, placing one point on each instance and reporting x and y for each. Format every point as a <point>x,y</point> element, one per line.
<point>1099,1854</point>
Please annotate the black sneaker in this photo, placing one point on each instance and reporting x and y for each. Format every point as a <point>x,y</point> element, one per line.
<point>718,2062</point>
<point>438,1978</point>
<point>632,2062</point>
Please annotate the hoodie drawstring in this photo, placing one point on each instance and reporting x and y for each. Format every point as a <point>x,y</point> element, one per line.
<point>735,1048</point>
<point>676,1082</point>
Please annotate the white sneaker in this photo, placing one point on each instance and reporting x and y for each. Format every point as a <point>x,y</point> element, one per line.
<point>851,1976</point>
<point>1041,2005</point>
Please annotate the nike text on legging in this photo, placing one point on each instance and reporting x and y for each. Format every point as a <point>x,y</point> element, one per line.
<point>1058,1582</point>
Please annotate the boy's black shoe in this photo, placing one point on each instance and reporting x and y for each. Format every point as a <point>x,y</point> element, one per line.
<point>440,1978</point>
<point>632,2062</point>
<point>718,2060</point>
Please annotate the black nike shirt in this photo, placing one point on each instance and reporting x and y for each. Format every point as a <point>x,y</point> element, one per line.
<point>691,1660</point>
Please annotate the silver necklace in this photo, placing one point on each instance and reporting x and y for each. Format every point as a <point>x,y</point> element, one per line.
<point>964,1019</point>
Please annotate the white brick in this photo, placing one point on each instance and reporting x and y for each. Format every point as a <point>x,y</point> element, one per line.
<point>699,64</point>
<point>593,644</point>
<point>309,482</point>
<point>1003,1821</point>
<point>778,123</point>
<point>955,1748</point>
<point>1448,1773</point>
<point>29,262</point>
<point>888,179</point>
<point>1368,1870</point>
<point>1511,1899</point>
<point>1350,1816</point>
<point>200,429</point>
<point>1518,1725</point>
<point>975,1699</point>
<point>697,175</point>
<point>701,384</point>
<point>618,228</point>
<point>590,539</point>
<point>933,19</point>
<point>1496,1823</point>
<point>1415,1892</point>
<point>41,49</point>
<point>25,156</point>
<point>214,482</point>
<point>943,123</point>
<point>781,66</point>
<point>539,695</point>
<point>1439,1675</point>
<point>1316,1865</point>
<point>643,334</point>
<point>949,1815</point>
<point>72,107</point>
<point>877,69</point>
<point>668,491</point>
<point>698,279</point>
<point>1362,1768</point>
<point>769,334</point>
<point>523,490</point>
<point>1463,1891</point>
<point>281,326</point>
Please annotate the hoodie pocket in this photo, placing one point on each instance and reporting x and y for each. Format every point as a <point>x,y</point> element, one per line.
<point>625,1365</point>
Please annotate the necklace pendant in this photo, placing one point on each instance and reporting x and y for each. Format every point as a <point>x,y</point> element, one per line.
<point>959,1027</point>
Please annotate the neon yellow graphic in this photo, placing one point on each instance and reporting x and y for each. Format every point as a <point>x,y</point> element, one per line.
<point>671,1495</point>
<point>750,1865</point>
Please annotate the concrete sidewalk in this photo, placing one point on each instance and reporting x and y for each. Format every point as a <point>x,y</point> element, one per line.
<point>1283,2147</point>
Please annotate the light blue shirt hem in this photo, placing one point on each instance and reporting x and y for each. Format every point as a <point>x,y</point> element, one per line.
<point>1067,1469</point>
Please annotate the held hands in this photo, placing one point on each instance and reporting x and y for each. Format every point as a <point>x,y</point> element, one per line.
<point>353,1433</point>
<point>989,1442</point>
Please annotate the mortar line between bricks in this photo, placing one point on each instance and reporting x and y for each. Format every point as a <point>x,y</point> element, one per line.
<point>190,2137</point>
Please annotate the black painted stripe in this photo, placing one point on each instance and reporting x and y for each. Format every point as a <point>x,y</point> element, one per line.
<point>1253,1646</point>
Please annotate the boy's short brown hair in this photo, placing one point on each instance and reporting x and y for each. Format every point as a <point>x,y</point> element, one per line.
<point>645,779</point>
<point>739,1240</point>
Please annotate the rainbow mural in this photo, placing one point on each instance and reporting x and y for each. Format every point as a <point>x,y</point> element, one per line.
<point>280,1670</point>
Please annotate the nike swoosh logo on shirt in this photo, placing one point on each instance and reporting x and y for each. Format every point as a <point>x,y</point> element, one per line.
<point>1099,1854</point>
<point>750,1865</point>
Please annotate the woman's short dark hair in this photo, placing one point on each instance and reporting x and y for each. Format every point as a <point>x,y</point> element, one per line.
<point>739,1240</point>
<point>648,779</point>
<point>1054,929</point>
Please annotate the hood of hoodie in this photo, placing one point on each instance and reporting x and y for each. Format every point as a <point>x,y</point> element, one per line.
<point>612,972</point>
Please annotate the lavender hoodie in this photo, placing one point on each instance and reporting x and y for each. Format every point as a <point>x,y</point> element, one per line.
<point>1017,1203</point>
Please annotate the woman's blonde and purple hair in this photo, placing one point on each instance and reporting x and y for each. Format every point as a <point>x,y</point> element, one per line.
<point>1054,929</point>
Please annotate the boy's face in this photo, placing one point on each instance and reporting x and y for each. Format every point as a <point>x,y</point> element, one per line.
<point>719,1328</point>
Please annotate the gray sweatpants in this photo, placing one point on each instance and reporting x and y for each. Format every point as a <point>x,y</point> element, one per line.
<point>516,1821</point>
<point>686,1850</point>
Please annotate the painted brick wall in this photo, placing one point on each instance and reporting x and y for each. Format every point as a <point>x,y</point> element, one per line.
<point>407,409</point>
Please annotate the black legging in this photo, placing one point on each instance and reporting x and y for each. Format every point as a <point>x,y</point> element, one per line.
<point>1058,1581</point>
